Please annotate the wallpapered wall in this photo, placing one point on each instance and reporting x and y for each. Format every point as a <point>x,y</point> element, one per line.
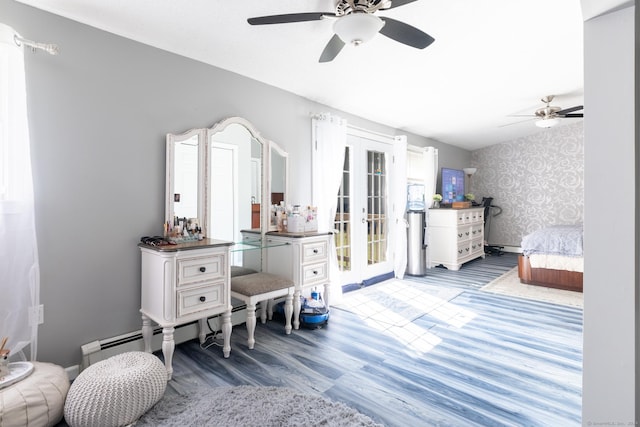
<point>537,180</point>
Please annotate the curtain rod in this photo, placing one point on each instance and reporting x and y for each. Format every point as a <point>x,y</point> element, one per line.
<point>47,47</point>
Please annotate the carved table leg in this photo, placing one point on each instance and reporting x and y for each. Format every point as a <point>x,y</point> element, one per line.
<point>202,330</point>
<point>168,346</point>
<point>296,309</point>
<point>147,333</point>
<point>226,332</point>
<point>251,324</point>
<point>327,294</point>
<point>288,311</point>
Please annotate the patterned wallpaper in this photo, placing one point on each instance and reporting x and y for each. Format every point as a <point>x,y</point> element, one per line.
<point>536,180</point>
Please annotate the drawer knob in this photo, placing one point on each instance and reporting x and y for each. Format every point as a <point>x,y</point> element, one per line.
<point>203,269</point>
<point>315,272</point>
<point>315,251</point>
<point>203,299</point>
<point>459,234</point>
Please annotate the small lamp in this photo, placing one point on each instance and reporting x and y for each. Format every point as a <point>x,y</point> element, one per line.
<point>469,172</point>
<point>357,27</point>
<point>547,122</point>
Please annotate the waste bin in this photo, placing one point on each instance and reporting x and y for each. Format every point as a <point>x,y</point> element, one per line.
<point>416,244</point>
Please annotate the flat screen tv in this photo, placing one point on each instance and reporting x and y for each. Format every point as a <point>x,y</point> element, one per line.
<point>452,185</point>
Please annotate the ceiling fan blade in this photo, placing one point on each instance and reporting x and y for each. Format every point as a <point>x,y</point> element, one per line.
<point>398,3</point>
<point>515,123</point>
<point>572,115</point>
<point>288,18</point>
<point>332,49</point>
<point>570,110</point>
<point>405,33</point>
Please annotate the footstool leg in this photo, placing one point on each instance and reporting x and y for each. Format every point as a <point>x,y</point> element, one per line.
<point>270,308</point>
<point>168,346</point>
<point>288,311</point>
<point>251,325</point>
<point>263,311</point>
<point>226,333</point>
<point>147,333</point>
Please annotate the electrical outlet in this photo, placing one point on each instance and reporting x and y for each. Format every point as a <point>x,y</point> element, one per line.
<point>40,314</point>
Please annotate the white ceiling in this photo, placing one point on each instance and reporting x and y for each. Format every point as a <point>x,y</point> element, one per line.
<point>491,58</point>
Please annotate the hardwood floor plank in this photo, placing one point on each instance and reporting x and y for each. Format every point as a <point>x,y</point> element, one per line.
<point>449,354</point>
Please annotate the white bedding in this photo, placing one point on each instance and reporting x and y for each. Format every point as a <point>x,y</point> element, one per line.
<point>557,262</point>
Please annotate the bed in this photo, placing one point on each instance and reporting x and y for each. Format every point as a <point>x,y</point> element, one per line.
<point>552,257</point>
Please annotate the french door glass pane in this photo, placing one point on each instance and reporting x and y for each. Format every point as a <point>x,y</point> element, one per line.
<point>376,200</point>
<point>342,220</point>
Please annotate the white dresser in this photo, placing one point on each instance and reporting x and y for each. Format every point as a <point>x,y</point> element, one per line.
<point>302,258</point>
<point>181,284</point>
<point>456,236</point>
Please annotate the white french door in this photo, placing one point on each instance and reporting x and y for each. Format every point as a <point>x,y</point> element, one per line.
<point>363,210</point>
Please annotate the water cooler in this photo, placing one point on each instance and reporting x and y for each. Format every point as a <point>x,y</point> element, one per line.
<point>416,243</point>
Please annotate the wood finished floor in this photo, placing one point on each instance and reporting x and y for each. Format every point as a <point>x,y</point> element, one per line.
<point>478,359</point>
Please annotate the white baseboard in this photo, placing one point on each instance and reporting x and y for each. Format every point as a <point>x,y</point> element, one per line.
<point>96,351</point>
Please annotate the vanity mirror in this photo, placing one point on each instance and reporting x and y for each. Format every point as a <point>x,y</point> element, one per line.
<point>227,177</point>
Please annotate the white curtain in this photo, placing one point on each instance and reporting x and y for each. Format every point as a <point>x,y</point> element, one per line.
<point>329,135</point>
<point>430,159</point>
<point>19,270</point>
<point>399,201</point>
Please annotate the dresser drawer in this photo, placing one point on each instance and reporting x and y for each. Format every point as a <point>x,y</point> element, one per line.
<point>477,245</point>
<point>464,249</point>
<point>200,298</point>
<point>314,251</point>
<point>314,273</point>
<point>200,269</point>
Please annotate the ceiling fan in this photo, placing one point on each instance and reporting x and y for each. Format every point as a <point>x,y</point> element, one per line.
<point>550,115</point>
<point>356,23</point>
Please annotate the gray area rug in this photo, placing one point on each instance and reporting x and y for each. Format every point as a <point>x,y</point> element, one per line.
<point>251,406</point>
<point>509,284</point>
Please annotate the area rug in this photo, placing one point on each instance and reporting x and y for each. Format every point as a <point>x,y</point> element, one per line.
<point>251,406</point>
<point>509,284</point>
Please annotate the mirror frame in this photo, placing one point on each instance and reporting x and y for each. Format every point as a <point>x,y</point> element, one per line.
<point>171,140</point>
<point>204,171</point>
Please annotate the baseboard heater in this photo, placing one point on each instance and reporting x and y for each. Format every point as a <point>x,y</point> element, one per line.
<point>96,351</point>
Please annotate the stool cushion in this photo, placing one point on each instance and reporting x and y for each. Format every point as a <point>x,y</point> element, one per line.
<point>37,400</point>
<point>116,391</point>
<point>259,283</point>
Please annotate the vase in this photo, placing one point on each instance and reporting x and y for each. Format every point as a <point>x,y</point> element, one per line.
<point>436,204</point>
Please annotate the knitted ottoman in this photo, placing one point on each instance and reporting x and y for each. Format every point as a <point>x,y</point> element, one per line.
<point>37,400</point>
<point>115,391</point>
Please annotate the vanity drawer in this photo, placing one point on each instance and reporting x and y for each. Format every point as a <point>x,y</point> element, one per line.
<point>314,251</point>
<point>314,273</point>
<point>200,269</point>
<point>201,298</point>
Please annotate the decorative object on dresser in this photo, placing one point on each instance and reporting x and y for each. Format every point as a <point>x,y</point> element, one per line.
<point>553,257</point>
<point>181,284</point>
<point>456,236</point>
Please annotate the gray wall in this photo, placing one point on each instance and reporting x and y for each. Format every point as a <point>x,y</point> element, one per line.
<point>610,388</point>
<point>536,180</point>
<point>99,113</point>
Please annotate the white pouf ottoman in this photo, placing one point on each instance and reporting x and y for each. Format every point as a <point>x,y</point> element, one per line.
<point>115,391</point>
<point>37,400</point>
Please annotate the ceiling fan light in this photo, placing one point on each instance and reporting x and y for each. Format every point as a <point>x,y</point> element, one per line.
<point>548,122</point>
<point>357,27</point>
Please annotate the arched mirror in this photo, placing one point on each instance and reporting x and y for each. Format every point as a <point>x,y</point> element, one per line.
<point>235,153</point>
<point>225,179</point>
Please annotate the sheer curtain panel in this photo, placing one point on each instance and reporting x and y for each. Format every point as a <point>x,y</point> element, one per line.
<point>19,271</point>
<point>399,194</point>
<point>329,141</point>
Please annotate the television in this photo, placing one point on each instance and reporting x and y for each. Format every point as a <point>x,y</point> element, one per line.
<point>452,185</point>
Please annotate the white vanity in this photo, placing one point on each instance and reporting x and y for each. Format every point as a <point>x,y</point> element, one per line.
<point>184,283</point>
<point>225,179</point>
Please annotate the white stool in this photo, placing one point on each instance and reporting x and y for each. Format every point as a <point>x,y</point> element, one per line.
<point>116,391</point>
<point>261,287</point>
<point>37,400</point>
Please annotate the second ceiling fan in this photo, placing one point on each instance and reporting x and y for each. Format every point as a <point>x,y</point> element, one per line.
<point>356,23</point>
